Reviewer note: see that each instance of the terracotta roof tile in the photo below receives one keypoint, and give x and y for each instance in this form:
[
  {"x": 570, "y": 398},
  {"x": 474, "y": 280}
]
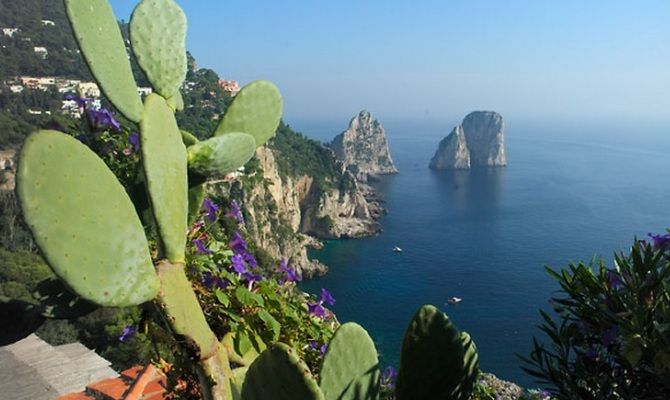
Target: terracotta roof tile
[
  {"x": 76, "y": 396},
  {"x": 113, "y": 388},
  {"x": 136, "y": 383},
  {"x": 131, "y": 373}
]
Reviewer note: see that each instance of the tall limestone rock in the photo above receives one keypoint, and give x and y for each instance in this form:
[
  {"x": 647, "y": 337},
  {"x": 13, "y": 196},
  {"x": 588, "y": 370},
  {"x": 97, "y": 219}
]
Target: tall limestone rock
[
  {"x": 478, "y": 141},
  {"x": 363, "y": 148}
]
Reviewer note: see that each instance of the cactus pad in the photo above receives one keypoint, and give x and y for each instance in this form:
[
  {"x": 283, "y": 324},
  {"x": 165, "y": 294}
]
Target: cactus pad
[
  {"x": 164, "y": 158},
  {"x": 278, "y": 374},
  {"x": 432, "y": 360},
  {"x": 255, "y": 110},
  {"x": 188, "y": 138},
  {"x": 97, "y": 32},
  {"x": 158, "y": 37},
  {"x": 84, "y": 222},
  {"x": 350, "y": 367},
  {"x": 238, "y": 375},
  {"x": 177, "y": 298},
  {"x": 221, "y": 155}
]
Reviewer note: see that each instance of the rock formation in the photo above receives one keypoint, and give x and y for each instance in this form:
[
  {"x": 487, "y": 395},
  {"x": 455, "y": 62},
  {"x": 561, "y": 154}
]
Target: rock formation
[
  {"x": 287, "y": 214},
  {"x": 363, "y": 148},
  {"x": 478, "y": 141}
]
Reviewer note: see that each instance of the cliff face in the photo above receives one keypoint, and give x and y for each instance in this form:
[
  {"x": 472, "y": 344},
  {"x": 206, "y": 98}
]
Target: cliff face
[
  {"x": 363, "y": 148},
  {"x": 285, "y": 214},
  {"x": 478, "y": 141}
]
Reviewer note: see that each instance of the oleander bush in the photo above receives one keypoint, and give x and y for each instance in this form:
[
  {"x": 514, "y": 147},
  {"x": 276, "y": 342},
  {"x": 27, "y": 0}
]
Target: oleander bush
[{"x": 610, "y": 336}]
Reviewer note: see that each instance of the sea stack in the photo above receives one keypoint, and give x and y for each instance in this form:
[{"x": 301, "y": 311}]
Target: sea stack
[
  {"x": 478, "y": 141},
  {"x": 363, "y": 148}
]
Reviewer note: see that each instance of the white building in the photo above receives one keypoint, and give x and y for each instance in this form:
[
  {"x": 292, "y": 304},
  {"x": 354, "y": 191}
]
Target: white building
[
  {"x": 42, "y": 52},
  {"x": 9, "y": 31},
  {"x": 88, "y": 89},
  {"x": 144, "y": 91}
]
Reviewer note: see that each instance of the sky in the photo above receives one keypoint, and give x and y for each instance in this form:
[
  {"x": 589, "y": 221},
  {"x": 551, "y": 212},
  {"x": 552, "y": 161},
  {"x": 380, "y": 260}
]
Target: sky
[{"x": 433, "y": 60}]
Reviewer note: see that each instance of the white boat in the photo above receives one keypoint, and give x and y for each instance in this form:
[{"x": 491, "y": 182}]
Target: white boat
[
  {"x": 454, "y": 300},
  {"x": 397, "y": 249}
]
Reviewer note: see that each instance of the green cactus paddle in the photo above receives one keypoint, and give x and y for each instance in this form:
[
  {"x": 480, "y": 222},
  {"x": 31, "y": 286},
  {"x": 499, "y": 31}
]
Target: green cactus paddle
[
  {"x": 158, "y": 38},
  {"x": 278, "y": 374},
  {"x": 255, "y": 110},
  {"x": 164, "y": 159},
  {"x": 97, "y": 32},
  {"x": 84, "y": 222},
  {"x": 432, "y": 361},
  {"x": 221, "y": 155},
  {"x": 350, "y": 367}
]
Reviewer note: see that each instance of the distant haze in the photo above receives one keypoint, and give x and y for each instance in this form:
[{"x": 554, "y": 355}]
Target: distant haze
[{"x": 607, "y": 59}]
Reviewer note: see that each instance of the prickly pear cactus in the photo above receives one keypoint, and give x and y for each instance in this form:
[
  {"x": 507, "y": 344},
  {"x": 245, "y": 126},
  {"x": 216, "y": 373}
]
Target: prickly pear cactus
[
  {"x": 158, "y": 36},
  {"x": 278, "y": 374},
  {"x": 84, "y": 222},
  {"x": 165, "y": 170},
  {"x": 97, "y": 32},
  {"x": 221, "y": 155},
  {"x": 433, "y": 361},
  {"x": 350, "y": 367},
  {"x": 255, "y": 110}
]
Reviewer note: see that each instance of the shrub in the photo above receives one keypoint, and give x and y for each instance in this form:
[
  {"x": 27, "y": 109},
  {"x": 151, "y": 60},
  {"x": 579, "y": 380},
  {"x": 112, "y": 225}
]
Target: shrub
[{"x": 611, "y": 337}]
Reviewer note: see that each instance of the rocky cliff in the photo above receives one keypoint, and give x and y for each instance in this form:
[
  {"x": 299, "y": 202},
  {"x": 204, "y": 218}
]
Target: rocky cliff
[
  {"x": 478, "y": 141},
  {"x": 287, "y": 209},
  {"x": 363, "y": 148}
]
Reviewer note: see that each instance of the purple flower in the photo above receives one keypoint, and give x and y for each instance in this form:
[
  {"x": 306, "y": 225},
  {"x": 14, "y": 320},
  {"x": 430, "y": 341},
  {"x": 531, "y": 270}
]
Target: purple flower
[
  {"x": 103, "y": 119},
  {"x": 291, "y": 275},
  {"x": 127, "y": 333},
  {"x": 613, "y": 279},
  {"x": 200, "y": 247},
  {"x": 609, "y": 336},
  {"x": 235, "y": 212},
  {"x": 316, "y": 309},
  {"x": 388, "y": 378},
  {"x": 314, "y": 345},
  {"x": 81, "y": 101},
  {"x": 327, "y": 298},
  {"x": 237, "y": 244},
  {"x": 249, "y": 277},
  {"x": 210, "y": 208},
  {"x": 134, "y": 140},
  {"x": 238, "y": 264},
  {"x": 250, "y": 259},
  {"x": 210, "y": 280},
  {"x": 660, "y": 242}
]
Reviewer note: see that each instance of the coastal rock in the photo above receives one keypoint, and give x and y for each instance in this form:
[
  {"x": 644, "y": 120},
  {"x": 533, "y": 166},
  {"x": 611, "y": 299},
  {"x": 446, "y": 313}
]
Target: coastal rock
[
  {"x": 363, "y": 148},
  {"x": 284, "y": 215},
  {"x": 478, "y": 141}
]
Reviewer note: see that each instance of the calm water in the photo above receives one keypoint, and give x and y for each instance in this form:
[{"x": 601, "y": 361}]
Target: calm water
[{"x": 485, "y": 235}]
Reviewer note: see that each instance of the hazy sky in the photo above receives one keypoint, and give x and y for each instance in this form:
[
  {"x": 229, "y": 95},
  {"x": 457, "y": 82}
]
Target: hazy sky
[{"x": 437, "y": 59}]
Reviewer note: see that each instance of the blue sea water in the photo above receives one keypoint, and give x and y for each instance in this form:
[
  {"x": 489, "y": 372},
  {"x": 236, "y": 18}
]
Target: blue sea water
[{"x": 569, "y": 192}]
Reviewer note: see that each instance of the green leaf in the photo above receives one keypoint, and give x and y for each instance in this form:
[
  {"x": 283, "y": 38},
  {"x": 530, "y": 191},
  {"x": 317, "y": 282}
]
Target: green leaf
[
  {"x": 247, "y": 297},
  {"x": 271, "y": 323},
  {"x": 222, "y": 297},
  {"x": 632, "y": 350}
]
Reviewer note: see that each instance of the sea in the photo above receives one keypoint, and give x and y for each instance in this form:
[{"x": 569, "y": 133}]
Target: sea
[{"x": 571, "y": 191}]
